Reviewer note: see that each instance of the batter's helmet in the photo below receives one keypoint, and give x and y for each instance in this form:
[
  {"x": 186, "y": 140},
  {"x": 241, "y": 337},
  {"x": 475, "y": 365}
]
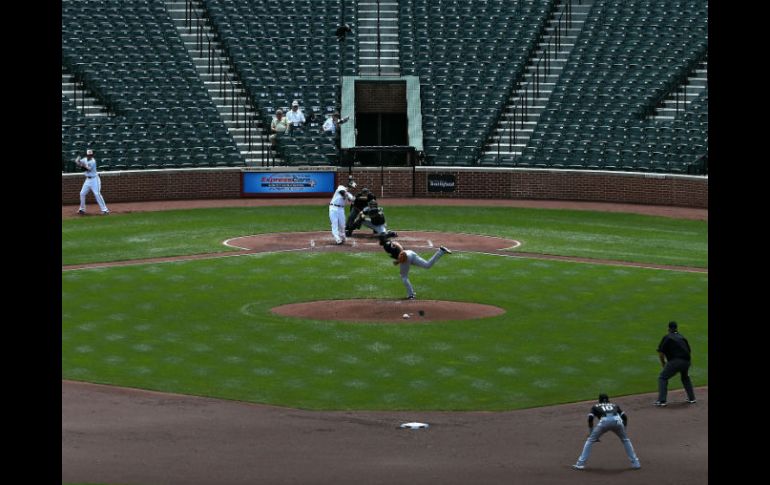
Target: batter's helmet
[{"x": 604, "y": 398}]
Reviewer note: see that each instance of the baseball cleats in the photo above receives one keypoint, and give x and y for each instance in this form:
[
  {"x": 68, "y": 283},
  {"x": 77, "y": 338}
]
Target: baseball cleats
[
  {"x": 105, "y": 213},
  {"x": 636, "y": 466},
  {"x": 691, "y": 401},
  {"x": 445, "y": 250},
  {"x": 579, "y": 467},
  {"x": 660, "y": 404},
  {"x": 412, "y": 297},
  {"x": 81, "y": 212}
]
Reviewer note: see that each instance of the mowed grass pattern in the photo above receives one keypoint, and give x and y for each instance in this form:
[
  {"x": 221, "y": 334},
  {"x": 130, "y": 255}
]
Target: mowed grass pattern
[
  {"x": 204, "y": 327},
  {"x": 617, "y": 236}
]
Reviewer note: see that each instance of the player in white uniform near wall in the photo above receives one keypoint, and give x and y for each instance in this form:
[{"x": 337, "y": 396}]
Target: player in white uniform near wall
[
  {"x": 92, "y": 183},
  {"x": 337, "y": 211}
]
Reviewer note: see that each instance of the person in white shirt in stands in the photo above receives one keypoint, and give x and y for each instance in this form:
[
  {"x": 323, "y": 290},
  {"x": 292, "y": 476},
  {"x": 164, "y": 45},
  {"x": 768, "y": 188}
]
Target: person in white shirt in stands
[
  {"x": 92, "y": 183},
  {"x": 337, "y": 211},
  {"x": 295, "y": 116},
  {"x": 331, "y": 127}
]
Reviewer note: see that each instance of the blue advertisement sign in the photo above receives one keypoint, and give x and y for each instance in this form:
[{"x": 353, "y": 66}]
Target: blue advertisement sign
[{"x": 287, "y": 183}]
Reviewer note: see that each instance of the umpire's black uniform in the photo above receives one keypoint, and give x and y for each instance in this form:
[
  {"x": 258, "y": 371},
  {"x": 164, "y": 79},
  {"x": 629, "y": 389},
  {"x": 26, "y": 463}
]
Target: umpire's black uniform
[
  {"x": 359, "y": 203},
  {"x": 676, "y": 350}
]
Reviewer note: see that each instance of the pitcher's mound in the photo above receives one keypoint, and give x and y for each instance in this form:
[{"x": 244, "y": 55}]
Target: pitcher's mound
[{"x": 388, "y": 311}]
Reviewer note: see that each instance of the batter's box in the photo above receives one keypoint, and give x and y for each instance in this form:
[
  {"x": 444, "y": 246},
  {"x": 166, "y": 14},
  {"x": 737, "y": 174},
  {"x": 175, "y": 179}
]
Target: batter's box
[{"x": 322, "y": 240}]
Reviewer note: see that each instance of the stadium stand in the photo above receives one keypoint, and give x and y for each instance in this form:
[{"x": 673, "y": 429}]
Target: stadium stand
[
  {"x": 629, "y": 56},
  {"x": 286, "y": 50},
  {"x": 130, "y": 56},
  {"x": 469, "y": 56}
]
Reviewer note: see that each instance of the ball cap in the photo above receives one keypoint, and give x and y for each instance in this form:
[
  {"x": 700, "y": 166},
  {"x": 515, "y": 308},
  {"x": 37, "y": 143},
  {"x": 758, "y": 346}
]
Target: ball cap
[
  {"x": 295, "y": 103},
  {"x": 672, "y": 325},
  {"x": 89, "y": 152}
]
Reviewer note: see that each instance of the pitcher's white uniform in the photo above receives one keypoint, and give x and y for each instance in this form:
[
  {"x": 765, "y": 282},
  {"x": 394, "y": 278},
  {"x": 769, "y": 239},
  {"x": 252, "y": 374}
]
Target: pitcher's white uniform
[
  {"x": 92, "y": 183},
  {"x": 337, "y": 212}
]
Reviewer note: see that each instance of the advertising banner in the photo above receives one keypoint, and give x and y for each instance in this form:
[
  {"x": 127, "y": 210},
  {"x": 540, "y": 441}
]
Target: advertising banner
[
  {"x": 288, "y": 184},
  {"x": 441, "y": 182}
]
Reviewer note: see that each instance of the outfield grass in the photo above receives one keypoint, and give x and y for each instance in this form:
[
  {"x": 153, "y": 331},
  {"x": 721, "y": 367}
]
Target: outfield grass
[
  {"x": 570, "y": 331},
  {"x": 618, "y": 236}
]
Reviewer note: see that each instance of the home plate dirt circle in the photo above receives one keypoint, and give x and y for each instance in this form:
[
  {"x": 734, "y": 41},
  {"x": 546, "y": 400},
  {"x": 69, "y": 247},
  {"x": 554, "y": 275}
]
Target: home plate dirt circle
[
  {"x": 388, "y": 311},
  {"x": 366, "y": 241}
]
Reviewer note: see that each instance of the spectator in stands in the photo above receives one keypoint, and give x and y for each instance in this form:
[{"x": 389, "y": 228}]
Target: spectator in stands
[
  {"x": 295, "y": 116},
  {"x": 331, "y": 127},
  {"x": 278, "y": 126}
]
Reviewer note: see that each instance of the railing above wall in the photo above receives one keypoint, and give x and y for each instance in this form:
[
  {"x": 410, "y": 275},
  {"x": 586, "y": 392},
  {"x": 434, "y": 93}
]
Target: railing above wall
[
  {"x": 241, "y": 103},
  {"x": 542, "y": 68}
]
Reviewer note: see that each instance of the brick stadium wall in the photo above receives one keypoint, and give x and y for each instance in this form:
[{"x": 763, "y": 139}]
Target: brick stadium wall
[
  {"x": 380, "y": 97},
  {"x": 132, "y": 186},
  {"x": 620, "y": 187}
]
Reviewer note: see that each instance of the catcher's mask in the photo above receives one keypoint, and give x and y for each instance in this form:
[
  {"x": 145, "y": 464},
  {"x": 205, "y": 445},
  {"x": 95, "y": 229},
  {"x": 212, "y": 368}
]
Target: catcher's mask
[{"x": 373, "y": 203}]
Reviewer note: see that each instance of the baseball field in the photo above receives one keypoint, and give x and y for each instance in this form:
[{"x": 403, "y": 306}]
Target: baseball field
[{"x": 585, "y": 297}]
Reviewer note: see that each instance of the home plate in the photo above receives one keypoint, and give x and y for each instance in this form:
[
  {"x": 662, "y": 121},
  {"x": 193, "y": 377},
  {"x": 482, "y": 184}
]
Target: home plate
[{"x": 414, "y": 425}]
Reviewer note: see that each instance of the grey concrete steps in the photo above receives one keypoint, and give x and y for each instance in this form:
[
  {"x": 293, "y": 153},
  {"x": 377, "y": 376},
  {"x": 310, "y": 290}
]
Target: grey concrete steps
[
  {"x": 88, "y": 105},
  {"x": 669, "y": 108},
  {"x": 535, "y": 105},
  {"x": 209, "y": 70}
]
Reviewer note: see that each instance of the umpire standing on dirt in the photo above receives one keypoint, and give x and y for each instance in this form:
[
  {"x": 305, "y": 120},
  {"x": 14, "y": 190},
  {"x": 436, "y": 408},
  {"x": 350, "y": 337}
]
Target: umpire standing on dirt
[{"x": 674, "y": 353}]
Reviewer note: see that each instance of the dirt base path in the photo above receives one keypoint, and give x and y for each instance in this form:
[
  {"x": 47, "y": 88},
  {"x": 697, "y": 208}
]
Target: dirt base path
[{"x": 117, "y": 435}]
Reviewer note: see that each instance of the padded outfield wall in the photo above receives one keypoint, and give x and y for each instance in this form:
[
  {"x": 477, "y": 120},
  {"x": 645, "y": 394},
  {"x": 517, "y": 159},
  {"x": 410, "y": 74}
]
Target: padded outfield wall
[{"x": 461, "y": 183}]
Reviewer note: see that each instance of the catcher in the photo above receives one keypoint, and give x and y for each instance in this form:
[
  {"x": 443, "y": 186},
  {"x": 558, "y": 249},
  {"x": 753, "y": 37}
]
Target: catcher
[
  {"x": 373, "y": 217},
  {"x": 359, "y": 204}
]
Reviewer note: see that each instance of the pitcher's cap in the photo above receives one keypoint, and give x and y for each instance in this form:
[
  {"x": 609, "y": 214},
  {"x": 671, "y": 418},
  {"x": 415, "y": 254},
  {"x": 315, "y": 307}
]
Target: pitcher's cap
[{"x": 89, "y": 152}]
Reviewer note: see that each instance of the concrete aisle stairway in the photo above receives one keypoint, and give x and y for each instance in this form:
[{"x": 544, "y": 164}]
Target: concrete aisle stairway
[
  {"x": 209, "y": 70},
  {"x": 679, "y": 100},
  {"x": 378, "y": 45},
  {"x": 510, "y": 146},
  {"x": 87, "y": 104}
]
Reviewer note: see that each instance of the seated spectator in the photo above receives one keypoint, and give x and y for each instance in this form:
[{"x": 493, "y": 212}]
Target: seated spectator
[
  {"x": 295, "y": 116},
  {"x": 278, "y": 126}
]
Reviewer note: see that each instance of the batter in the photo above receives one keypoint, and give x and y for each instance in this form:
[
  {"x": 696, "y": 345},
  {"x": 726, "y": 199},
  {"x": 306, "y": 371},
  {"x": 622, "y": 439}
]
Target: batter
[{"x": 337, "y": 211}]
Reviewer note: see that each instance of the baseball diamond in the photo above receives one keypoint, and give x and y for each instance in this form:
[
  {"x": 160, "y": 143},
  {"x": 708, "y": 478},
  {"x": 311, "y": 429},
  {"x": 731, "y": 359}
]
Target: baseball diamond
[
  {"x": 340, "y": 242},
  {"x": 261, "y": 439}
]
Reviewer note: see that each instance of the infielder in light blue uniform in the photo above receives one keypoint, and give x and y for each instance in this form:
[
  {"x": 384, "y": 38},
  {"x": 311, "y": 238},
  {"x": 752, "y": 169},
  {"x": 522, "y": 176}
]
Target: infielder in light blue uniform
[
  {"x": 92, "y": 183},
  {"x": 406, "y": 258},
  {"x": 611, "y": 418}
]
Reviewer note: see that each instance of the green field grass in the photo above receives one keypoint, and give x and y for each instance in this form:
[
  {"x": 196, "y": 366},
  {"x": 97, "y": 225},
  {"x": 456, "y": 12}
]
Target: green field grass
[
  {"x": 203, "y": 327},
  {"x": 617, "y": 236}
]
